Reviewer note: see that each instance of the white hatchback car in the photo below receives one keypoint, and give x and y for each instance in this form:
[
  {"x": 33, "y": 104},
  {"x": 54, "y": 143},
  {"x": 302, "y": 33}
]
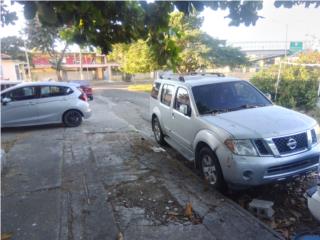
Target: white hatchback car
[{"x": 40, "y": 103}]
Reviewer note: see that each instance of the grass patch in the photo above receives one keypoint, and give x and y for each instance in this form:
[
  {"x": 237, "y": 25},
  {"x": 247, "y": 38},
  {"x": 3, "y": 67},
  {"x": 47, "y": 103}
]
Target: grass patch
[{"x": 141, "y": 87}]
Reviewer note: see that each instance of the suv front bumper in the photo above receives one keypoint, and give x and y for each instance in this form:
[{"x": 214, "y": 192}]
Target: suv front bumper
[{"x": 258, "y": 170}]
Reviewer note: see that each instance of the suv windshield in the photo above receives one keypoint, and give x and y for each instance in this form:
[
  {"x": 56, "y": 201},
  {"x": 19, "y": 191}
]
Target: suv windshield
[{"x": 227, "y": 96}]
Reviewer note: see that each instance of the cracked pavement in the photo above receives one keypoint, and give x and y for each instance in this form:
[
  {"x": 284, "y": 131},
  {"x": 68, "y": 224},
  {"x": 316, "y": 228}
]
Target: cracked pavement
[{"x": 103, "y": 177}]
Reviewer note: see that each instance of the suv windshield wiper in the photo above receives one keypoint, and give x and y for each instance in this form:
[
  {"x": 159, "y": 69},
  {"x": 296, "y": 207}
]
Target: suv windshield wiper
[
  {"x": 246, "y": 106},
  {"x": 215, "y": 111}
]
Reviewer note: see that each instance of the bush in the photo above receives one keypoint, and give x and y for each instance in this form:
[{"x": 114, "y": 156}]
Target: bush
[{"x": 298, "y": 86}]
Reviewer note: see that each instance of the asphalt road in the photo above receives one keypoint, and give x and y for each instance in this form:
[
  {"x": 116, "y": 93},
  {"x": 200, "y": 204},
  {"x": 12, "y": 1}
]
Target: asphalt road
[{"x": 108, "y": 178}]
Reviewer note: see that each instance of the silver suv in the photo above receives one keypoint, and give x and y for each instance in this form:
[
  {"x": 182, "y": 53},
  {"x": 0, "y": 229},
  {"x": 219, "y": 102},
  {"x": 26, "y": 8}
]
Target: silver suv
[{"x": 232, "y": 131}]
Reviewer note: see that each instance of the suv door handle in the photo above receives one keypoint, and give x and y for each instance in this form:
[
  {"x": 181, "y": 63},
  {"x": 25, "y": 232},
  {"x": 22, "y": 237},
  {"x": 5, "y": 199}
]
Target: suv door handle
[{"x": 32, "y": 103}]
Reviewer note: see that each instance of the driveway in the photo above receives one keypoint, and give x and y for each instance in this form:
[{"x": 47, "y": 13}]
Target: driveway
[{"x": 107, "y": 179}]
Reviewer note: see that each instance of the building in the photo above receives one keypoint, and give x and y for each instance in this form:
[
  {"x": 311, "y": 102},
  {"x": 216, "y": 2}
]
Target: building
[
  {"x": 75, "y": 66},
  {"x": 11, "y": 69}
]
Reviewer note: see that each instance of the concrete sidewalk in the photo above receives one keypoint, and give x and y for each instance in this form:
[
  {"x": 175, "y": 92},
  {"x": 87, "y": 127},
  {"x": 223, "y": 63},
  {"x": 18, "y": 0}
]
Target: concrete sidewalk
[{"x": 103, "y": 178}]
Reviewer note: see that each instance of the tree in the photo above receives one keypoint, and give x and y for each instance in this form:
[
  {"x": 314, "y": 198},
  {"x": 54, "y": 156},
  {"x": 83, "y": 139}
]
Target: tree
[
  {"x": 134, "y": 58},
  {"x": 7, "y": 17},
  {"x": 198, "y": 50},
  {"x": 45, "y": 39},
  {"x": 194, "y": 49},
  {"x": 12, "y": 46},
  {"x": 102, "y": 24}
]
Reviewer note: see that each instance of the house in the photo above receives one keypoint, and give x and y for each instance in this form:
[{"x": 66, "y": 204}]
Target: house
[
  {"x": 11, "y": 69},
  {"x": 91, "y": 66}
]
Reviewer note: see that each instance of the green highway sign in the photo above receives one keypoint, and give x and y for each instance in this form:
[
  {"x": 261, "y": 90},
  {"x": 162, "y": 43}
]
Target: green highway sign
[{"x": 296, "y": 47}]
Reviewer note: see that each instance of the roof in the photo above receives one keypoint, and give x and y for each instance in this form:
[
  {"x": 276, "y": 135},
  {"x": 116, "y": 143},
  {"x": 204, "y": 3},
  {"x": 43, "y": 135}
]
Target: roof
[{"x": 196, "y": 80}]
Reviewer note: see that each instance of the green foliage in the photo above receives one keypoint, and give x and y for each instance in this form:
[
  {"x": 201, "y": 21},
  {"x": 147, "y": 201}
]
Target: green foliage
[
  {"x": 12, "y": 47},
  {"x": 7, "y": 17},
  {"x": 297, "y": 89},
  {"x": 310, "y": 57},
  {"x": 196, "y": 49},
  {"x": 134, "y": 58},
  {"x": 191, "y": 49}
]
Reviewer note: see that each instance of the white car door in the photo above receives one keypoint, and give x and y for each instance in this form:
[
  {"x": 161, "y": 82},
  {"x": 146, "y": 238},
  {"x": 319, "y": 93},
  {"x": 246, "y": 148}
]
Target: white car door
[
  {"x": 53, "y": 102},
  {"x": 21, "y": 108}
]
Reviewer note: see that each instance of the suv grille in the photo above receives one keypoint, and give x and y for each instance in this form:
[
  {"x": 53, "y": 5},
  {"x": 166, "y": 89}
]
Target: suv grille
[{"x": 282, "y": 143}]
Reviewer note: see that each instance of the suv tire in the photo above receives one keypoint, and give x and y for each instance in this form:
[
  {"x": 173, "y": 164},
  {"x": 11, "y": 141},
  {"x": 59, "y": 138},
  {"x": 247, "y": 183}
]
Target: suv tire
[
  {"x": 156, "y": 128},
  {"x": 210, "y": 169},
  {"x": 72, "y": 118}
]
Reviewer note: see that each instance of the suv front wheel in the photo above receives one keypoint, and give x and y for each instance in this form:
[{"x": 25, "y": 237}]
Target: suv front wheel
[
  {"x": 156, "y": 128},
  {"x": 210, "y": 169}
]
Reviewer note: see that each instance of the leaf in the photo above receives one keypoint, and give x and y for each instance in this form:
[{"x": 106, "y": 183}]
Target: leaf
[
  {"x": 188, "y": 210},
  {"x": 120, "y": 236},
  {"x": 6, "y": 236}
]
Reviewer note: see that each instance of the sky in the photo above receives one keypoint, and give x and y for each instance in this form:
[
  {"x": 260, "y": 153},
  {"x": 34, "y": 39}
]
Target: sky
[{"x": 301, "y": 24}]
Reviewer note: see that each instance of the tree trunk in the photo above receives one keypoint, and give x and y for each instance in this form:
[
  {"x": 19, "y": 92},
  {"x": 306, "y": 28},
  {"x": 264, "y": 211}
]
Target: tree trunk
[{"x": 59, "y": 62}]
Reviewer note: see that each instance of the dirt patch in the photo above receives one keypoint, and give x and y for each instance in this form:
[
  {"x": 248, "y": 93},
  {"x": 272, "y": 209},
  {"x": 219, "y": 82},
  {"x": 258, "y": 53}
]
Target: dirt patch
[
  {"x": 291, "y": 216},
  {"x": 7, "y": 145},
  {"x": 157, "y": 202}
]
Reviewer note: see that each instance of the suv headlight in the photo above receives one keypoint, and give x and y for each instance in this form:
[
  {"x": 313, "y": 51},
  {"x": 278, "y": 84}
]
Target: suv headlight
[{"x": 241, "y": 147}]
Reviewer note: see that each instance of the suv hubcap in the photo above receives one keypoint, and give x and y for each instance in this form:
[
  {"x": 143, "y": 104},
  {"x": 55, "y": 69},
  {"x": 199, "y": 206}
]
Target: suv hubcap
[
  {"x": 209, "y": 169},
  {"x": 156, "y": 130}
]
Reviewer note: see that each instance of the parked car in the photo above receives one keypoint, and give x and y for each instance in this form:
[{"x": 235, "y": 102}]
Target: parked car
[
  {"x": 4, "y": 84},
  {"x": 43, "y": 103},
  {"x": 232, "y": 131},
  {"x": 86, "y": 88}
]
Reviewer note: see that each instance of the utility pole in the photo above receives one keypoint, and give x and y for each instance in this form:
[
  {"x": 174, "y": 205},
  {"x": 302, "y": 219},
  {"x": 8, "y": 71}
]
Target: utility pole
[
  {"x": 81, "y": 72},
  {"x": 28, "y": 62}
]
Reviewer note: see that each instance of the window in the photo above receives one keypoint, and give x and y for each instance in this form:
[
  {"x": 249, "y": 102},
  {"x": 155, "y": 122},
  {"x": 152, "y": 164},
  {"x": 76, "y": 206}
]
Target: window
[
  {"x": 54, "y": 91},
  {"x": 24, "y": 93},
  {"x": 166, "y": 94},
  {"x": 182, "y": 102},
  {"x": 227, "y": 96},
  {"x": 16, "y": 68},
  {"x": 155, "y": 90}
]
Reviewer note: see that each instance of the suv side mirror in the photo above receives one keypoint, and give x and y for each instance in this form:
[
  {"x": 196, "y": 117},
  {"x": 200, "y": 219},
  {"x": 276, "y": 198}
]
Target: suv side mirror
[
  {"x": 185, "y": 109},
  {"x": 5, "y": 101}
]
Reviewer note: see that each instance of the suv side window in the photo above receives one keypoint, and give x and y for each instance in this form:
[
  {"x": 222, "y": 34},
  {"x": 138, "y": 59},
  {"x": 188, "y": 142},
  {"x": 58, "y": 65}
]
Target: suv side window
[
  {"x": 24, "y": 93},
  {"x": 54, "y": 91},
  {"x": 182, "y": 102},
  {"x": 166, "y": 94},
  {"x": 155, "y": 90}
]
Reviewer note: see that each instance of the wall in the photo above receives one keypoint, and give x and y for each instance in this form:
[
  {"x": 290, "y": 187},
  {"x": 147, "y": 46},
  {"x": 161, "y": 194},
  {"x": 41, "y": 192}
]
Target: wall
[{"x": 8, "y": 71}]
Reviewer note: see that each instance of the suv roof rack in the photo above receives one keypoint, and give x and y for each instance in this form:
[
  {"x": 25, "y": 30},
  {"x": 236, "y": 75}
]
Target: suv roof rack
[{"x": 182, "y": 78}]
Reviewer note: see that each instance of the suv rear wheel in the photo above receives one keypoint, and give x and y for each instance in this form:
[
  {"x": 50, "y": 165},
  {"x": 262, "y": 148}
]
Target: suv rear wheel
[
  {"x": 210, "y": 169},
  {"x": 156, "y": 128}
]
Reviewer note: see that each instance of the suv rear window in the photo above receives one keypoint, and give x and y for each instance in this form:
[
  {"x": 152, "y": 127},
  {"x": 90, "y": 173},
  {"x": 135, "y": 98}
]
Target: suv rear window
[
  {"x": 166, "y": 94},
  {"x": 155, "y": 90}
]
